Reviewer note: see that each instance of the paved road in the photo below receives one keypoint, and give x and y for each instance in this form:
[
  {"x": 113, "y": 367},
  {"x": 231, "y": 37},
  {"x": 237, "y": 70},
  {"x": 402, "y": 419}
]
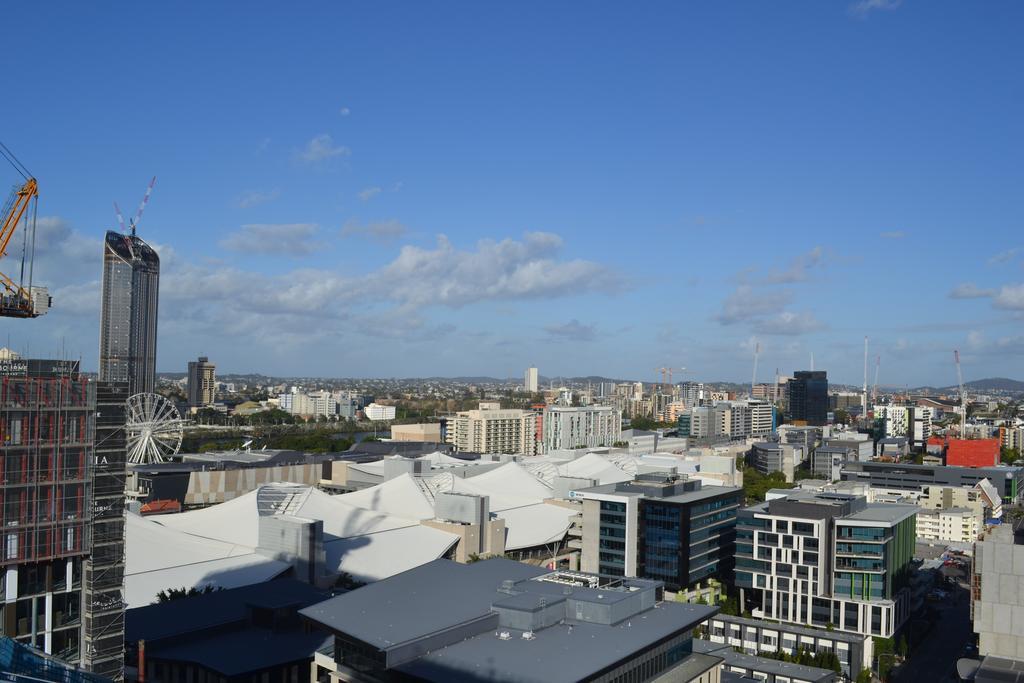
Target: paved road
[{"x": 935, "y": 659}]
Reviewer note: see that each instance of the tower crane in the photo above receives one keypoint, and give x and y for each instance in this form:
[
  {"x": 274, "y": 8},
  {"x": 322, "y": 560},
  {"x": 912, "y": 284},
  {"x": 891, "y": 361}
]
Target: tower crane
[
  {"x": 963, "y": 395},
  {"x": 874, "y": 388},
  {"x": 20, "y": 299},
  {"x": 753, "y": 378}
]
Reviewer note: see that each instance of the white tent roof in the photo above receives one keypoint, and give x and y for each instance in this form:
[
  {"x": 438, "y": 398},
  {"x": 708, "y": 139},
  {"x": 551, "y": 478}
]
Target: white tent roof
[
  {"x": 511, "y": 479},
  {"x": 594, "y": 466},
  {"x": 399, "y": 496},
  {"x": 535, "y": 525},
  {"x": 158, "y": 558},
  {"x": 377, "y": 556}
]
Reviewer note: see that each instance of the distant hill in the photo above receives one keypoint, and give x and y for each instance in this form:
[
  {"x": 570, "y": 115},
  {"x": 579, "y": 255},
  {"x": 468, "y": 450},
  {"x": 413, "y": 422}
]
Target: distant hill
[{"x": 996, "y": 384}]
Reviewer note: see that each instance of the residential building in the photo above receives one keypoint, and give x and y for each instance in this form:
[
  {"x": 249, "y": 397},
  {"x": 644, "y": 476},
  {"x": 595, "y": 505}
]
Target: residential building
[
  {"x": 202, "y": 382},
  {"x": 659, "y": 526},
  {"x": 754, "y": 636},
  {"x": 506, "y": 620},
  {"x": 692, "y": 394},
  {"x": 128, "y": 312},
  {"x": 1012, "y": 437},
  {"x": 1008, "y": 481},
  {"x": 808, "y": 397},
  {"x": 62, "y": 512},
  {"x": 531, "y": 380},
  {"x": 949, "y": 525},
  {"x": 912, "y": 422},
  {"x": 807, "y": 437},
  {"x": 565, "y": 427},
  {"x": 770, "y": 456},
  {"x": 494, "y": 431},
  {"x": 973, "y": 452},
  {"x": 426, "y": 431},
  {"x": 823, "y": 559},
  {"x": 893, "y": 447},
  {"x": 997, "y": 601},
  {"x": 376, "y": 412},
  {"x": 844, "y": 400}
]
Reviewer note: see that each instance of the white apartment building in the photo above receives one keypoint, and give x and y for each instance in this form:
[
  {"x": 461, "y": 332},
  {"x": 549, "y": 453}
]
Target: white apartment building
[
  {"x": 959, "y": 525},
  {"x": 734, "y": 419},
  {"x": 494, "y": 431},
  {"x": 912, "y": 422},
  {"x": 316, "y": 404},
  {"x": 378, "y": 413},
  {"x": 531, "y": 379},
  {"x": 591, "y": 426}
]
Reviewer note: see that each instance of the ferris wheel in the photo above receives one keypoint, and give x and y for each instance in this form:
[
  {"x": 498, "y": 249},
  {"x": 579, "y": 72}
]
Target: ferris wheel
[{"x": 154, "y": 428}]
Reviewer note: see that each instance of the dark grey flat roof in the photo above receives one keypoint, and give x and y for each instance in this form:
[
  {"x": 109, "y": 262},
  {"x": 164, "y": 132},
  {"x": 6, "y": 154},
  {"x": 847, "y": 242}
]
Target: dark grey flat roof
[
  {"x": 414, "y": 603},
  {"x": 1000, "y": 670},
  {"x": 185, "y": 615},
  {"x": 240, "y": 652},
  {"x": 558, "y": 654},
  {"x": 442, "y": 595}
]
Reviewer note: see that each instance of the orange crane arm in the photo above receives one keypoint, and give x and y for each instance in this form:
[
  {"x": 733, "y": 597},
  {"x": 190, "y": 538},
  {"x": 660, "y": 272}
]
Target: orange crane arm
[{"x": 21, "y": 201}]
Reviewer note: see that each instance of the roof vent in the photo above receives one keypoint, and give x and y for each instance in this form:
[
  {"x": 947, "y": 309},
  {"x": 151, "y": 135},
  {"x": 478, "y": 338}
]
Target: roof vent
[
  {"x": 504, "y": 635},
  {"x": 528, "y": 635}
]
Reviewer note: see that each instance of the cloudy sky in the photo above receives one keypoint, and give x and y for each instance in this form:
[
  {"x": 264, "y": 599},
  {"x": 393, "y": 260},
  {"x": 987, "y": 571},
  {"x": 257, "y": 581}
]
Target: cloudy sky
[{"x": 410, "y": 188}]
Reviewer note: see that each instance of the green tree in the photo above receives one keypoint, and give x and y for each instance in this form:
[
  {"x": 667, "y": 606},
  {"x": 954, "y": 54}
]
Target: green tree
[
  {"x": 902, "y": 648},
  {"x": 1009, "y": 455},
  {"x": 170, "y": 594},
  {"x": 864, "y": 676}
]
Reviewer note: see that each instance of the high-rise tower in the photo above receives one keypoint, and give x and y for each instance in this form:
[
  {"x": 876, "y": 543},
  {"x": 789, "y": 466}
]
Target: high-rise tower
[{"x": 131, "y": 282}]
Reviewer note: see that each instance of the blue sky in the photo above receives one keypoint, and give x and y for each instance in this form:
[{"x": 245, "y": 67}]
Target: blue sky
[{"x": 411, "y": 189}]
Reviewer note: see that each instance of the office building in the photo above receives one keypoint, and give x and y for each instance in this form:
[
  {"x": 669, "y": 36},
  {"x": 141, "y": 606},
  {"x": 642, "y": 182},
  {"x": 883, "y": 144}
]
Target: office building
[
  {"x": 770, "y": 456},
  {"x": 808, "y": 397},
  {"x": 494, "y": 431},
  {"x": 806, "y": 437},
  {"x": 659, "y": 526},
  {"x": 1008, "y": 481},
  {"x": 128, "y": 312},
  {"x": 822, "y": 559},
  {"x": 692, "y": 393},
  {"x": 565, "y": 427},
  {"x": 531, "y": 380},
  {"x": 827, "y": 461},
  {"x": 202, "y": 382},
  {"x": 844, "y": 400},
  {"x": 997, "y": 601},
  {"x": 911, "y": 422},
  {"x": 62, "y": 512},
  {"x": 502, "y": 621}
]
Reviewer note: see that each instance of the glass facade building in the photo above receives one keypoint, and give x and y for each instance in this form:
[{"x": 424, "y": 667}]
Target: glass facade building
[
  {"x": 808, "y": 397},
  {"x": 660, "y": 526},
  {"x": 128, "y": 314}
]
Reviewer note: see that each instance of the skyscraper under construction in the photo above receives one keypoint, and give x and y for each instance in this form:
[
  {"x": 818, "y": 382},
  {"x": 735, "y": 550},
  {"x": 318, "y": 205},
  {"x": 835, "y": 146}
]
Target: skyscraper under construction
[{"x": 131, "y": 282}]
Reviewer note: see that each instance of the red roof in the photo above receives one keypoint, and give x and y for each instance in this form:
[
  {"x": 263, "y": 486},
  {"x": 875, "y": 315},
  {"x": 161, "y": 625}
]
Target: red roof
[
  {"x": 157, "y": 507},
  {"x": 973, "y": 452}
]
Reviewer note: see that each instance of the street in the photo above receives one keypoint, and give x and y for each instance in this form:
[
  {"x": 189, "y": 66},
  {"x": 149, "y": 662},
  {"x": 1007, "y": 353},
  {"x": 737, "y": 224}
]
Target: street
[{"x": 935, "y": 659}]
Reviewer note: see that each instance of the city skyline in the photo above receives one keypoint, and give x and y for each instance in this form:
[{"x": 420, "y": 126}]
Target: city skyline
[{"x": 594, "y": 200}]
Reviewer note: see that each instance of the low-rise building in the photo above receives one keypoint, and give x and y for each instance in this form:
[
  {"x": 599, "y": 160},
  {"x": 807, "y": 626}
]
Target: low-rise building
[
  {"x": 429, "y": 432},
  {"x": 591, "y": 426},
  {"x": 1008, "y": 481},
  {"x": 754, "y": 636},
  {"x": 505, "y": 620},
  {"x": 950, "y": 525}
]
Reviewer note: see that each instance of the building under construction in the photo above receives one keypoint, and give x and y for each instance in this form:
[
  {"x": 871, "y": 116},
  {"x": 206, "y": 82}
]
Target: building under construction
[{"x": 59, "y": 551}]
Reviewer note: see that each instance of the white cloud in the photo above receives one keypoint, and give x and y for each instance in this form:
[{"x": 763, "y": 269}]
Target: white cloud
[
  {"x": 321, "y": 148},
  {"x": 892, "y": 235},
  {"x": 969, "y": 290},
  {"x": 1004, "y": 256},
  {"x": 789, "y": 324},
  {"x": 508, "y": 269},
  {"x": 573, "y": 330},
  {"x": 798, "y": 268},
  {"x": 369, "y": 193},
  {"x": 381, "y": 231},
  {"x": 295, "y": 239},
  {"x": 746, "y": 304},
  {"x": 344, "y": 111},
  {"x": 1009, "y": 297},
  {"x": 257, "y": 197},
  {"x": 862, "y": 8}
]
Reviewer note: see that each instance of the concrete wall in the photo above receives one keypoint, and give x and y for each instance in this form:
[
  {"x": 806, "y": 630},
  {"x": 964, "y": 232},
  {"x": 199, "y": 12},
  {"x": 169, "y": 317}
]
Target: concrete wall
[{"x": 999, "y": 611}]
